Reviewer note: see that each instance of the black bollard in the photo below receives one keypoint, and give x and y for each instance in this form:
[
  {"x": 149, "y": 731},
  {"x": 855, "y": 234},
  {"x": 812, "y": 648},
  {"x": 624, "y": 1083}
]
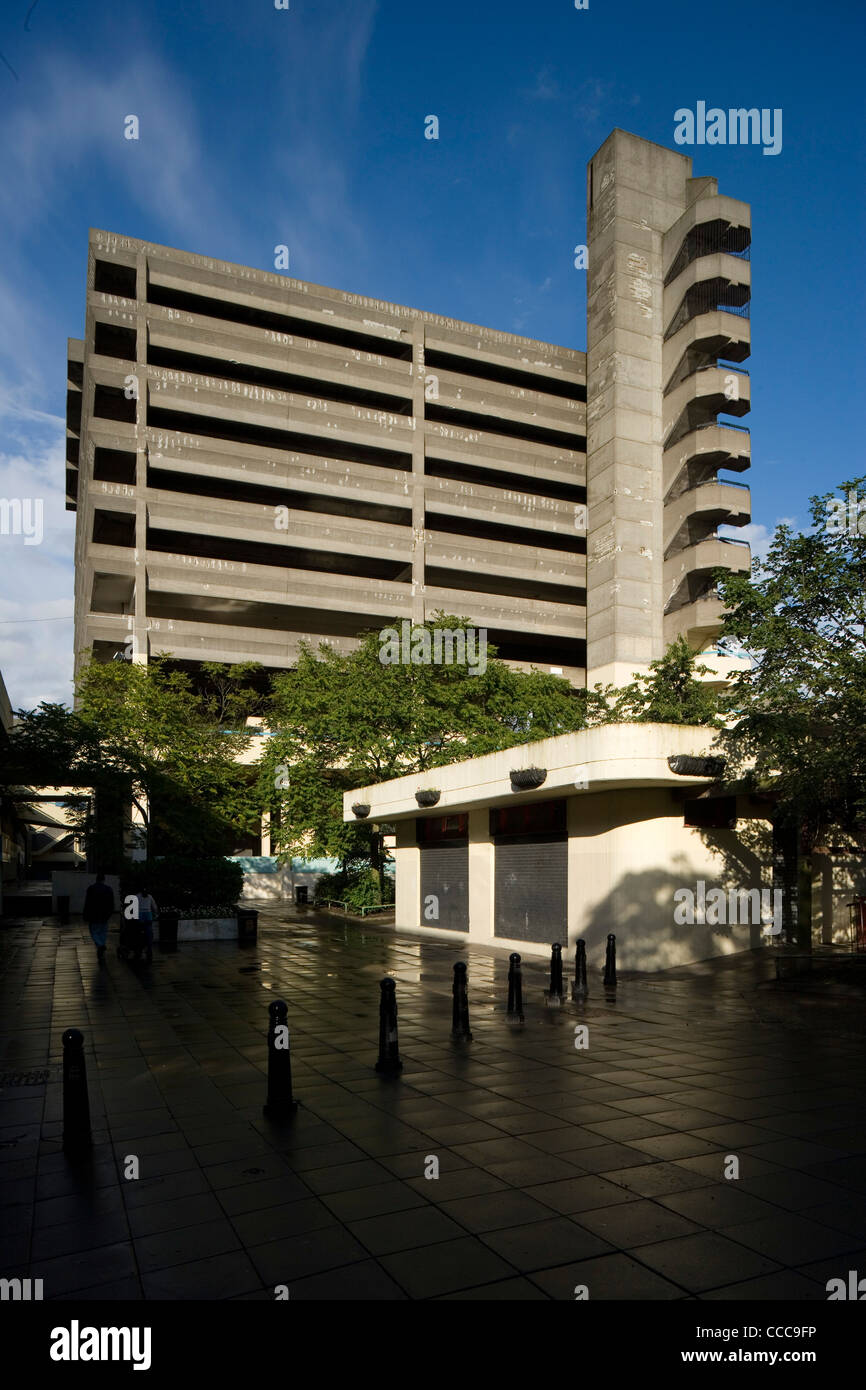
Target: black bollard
[
  {"x": 76, "y": 1106},
  {"x": 579, "y": 988},
  {"x": 515, "y": 988},
  {"x": 280, "y": 1102},
  {"x": 610, "y": 962},
  {"x": 389, "y": 1050},
  {"x": 556, "y": 970},
  {"x": 460, "y": 1009}
]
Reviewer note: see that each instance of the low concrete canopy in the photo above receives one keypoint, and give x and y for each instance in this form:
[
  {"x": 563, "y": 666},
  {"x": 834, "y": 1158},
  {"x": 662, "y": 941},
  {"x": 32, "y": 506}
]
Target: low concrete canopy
[
  {"x": 597, "y": 837},
  {"x": 602, "y": 759}
]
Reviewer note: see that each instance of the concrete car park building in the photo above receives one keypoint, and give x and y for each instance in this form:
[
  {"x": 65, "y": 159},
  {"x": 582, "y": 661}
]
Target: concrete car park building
[
  {"x": 595, "y": 832},
  {"x": 256, "y": 460}
]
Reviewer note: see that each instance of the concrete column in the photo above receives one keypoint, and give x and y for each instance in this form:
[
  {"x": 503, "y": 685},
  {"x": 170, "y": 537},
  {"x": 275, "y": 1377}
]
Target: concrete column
[
  {"x": 481, "y": 876},
  {"x": 140, "y": 648},
  {"x": 636, "y": 190},
  {"x": 418, "y": 503},
  {"x": 575, "y": 817},
  {"x": 407, "y": 870}
]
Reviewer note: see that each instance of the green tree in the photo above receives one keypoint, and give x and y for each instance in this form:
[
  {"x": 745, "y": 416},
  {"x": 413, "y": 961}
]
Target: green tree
[
  {"x": 151, "y": 737},
  {"x": 669, "y": 693},
  {"x": 347, "y": 720},
  {"x": 797, "y": 728}
]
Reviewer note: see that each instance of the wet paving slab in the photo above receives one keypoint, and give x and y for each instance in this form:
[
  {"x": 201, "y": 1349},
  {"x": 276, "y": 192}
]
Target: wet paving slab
[{"x": 704, "y": 1137}]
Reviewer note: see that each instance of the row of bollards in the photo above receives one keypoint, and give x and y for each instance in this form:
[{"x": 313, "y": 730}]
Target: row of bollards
[
  {"x": 280, "y": 1103},
  {"x": 579, "y": 987}
]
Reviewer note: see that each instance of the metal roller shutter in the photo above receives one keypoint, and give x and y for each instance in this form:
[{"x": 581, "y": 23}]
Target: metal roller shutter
[
  {"x": 531, "y": 887},
  {"x": 445, "y": 876}
]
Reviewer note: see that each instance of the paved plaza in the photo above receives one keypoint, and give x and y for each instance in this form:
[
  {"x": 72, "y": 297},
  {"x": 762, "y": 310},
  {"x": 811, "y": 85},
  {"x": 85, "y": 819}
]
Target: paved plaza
[{"x": 559, "y": 1167}]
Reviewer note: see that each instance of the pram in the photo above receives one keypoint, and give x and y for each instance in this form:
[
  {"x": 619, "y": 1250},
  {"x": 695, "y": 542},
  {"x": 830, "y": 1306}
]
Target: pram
[{"x": 133, "y": 941}]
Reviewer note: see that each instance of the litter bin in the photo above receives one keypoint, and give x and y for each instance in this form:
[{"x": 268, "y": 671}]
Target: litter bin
[
  {"x": 63, "y": 909},
  {"x": 168, "y": 931},
  {"x": 248, "y": 926},
  {"x": 301, "y": 895}
]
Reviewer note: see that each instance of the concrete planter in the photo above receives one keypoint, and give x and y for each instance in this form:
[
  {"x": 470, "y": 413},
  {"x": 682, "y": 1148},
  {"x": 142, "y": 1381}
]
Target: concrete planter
[
  {"x": 207, "y": 929},
  {"x": 525, "y": 778}
]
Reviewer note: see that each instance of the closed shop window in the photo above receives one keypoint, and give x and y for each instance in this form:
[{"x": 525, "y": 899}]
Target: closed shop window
[
  {"x": 531, "y": 873},
  {"x": 444, "y": 871}
]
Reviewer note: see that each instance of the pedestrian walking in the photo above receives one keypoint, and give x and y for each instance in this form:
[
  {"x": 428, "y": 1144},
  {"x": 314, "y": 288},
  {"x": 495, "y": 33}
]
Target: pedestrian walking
[
  {"x": 147, "y": 912},
  {"x": 98, "y": 907}
]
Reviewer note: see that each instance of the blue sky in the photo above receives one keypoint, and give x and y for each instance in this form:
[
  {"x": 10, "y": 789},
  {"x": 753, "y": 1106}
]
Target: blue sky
[{"x": 306, "y": 127}]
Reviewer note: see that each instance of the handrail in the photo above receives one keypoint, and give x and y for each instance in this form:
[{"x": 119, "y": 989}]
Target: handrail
[
  {"x": 700, "y": 241},
  {"x": 723, "y": 425},
  {"x": 729, "y": 482},
  {"x": 356, "y": 911},
  {"x": 718, "y": 367}
]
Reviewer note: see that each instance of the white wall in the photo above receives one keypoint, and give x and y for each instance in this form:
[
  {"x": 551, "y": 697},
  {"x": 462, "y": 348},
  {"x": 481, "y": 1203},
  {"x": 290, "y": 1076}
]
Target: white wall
[
  {"x": 628, "y": 853},
  {"x": 75, "y": 884}
]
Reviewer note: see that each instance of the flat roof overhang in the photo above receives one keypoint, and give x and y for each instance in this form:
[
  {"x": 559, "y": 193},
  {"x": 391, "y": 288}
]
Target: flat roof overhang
[{"x": 610, "y": 758}]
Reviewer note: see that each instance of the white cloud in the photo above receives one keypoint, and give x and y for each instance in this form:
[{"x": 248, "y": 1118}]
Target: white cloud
[
  {"x": 71, "y": 116},
  {"x": 758, "y": 536},
  {"x": 35, "y": 654},
  {"x": 65, "y": 132}
]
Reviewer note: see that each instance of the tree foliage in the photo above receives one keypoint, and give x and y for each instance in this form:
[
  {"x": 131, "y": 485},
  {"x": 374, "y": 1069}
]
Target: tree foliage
[
  {"x": 671, "y": 692},
  {"x": 798, "y": 717},
  {"x": 149, "y": 736},
  {"x": 342, "y": 721}
]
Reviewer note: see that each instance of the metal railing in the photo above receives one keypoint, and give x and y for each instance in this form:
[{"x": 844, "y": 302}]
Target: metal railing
[
  {"x": 707, "y": 239},
  {"x": 355, "y": 911},
  {"x": 705, "y": 298},
  {"x": 742, "y": 311},
  {"x": 723, "y": 425}
]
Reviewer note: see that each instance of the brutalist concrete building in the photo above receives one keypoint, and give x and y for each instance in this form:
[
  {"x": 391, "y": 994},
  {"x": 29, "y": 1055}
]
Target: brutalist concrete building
[{"x": 255, "y": 460}]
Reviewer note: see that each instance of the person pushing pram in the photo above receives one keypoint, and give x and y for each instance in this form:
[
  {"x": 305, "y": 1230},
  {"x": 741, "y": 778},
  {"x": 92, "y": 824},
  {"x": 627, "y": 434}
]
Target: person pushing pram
[{"x": 136, "y": 935}]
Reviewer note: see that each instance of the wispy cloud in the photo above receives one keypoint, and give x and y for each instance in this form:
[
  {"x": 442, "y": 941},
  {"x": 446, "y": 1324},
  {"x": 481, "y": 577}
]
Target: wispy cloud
[
  {"x": 62, "y": 144},
  {"x": 758, "y": 536},
  {"x": 70, "y": 119},
  {"x": 310, "y": 204},
  {"x": 545, "y": 87},
  {"x": 36, "y": 600}
]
